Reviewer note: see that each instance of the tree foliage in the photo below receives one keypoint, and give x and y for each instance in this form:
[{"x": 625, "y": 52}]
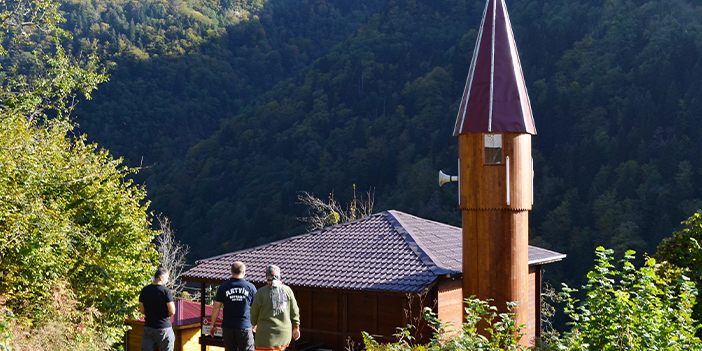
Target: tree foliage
[
  {"x": 20, "y": 19},
  {"x": 501, "y": 329},
  {"x": 238, "y": 105},
  {"x": 321, "y": 214},
  {"x": 171, "y": 255},
  {"x": 630, "y": 309},
  {"x": 648, "y": 308},
  {"x": 179, "y": 68},
  {"x": 67, "y": 212},
  {"x": 69, "y": 215},
  {"x": 70, "y": 327},
  {"x": 357, "y": 116},
  {"x": 683, "y": 250},
  {"x": 311, "y": 94}
]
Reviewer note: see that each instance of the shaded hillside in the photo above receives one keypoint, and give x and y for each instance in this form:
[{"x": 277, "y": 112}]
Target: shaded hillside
[
  {"x": 614, "y": 86},
  {"x": 377, "y": 111},
  {"x": 620, "y": 131},
  {"x": 179, "y": 68}
]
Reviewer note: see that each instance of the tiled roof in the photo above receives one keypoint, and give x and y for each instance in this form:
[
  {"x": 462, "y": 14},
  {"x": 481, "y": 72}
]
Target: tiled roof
[
  {"x": 187, "y": 312},
  {"x": 538, "y": 255},
  {"x": 387, "y": 251}
]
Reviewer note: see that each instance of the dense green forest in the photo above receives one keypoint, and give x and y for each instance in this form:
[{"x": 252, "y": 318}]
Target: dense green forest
[
  {"x": 233, "y": 107},
  {"x": 179, "y": 69}
]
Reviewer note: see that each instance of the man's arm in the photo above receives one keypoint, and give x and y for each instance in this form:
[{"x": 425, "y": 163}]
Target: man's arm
[
  {"x": 215, "y": 314},
  {"x": 141, "y": 308},
  {"x": 171, "y": 308}
]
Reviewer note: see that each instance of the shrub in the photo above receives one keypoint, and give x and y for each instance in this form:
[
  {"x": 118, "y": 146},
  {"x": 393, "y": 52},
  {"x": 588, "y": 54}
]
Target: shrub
[
  {"x": 630, "y": 309},
  {"x": 683, "y": 250},
  {"x": 68, "y": 327},
  {"x": 501, "y": 329}
]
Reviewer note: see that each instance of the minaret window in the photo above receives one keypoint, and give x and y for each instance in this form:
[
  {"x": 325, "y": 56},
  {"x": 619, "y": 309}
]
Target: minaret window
[{"x": 493, "y": 148}]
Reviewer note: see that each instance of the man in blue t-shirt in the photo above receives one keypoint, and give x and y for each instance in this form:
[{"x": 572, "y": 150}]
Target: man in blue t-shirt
[
  {"x": 156, "y": 303},
  {"x": 236, "y": 295}
]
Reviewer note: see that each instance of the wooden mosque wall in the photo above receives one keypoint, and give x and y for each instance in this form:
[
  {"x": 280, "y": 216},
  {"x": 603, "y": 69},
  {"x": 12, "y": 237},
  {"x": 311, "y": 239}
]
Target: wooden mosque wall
[
  {"x": 450, "y": 303},
  {"x": 333, "y": 318},
  {"x": 534, "y": 318}
]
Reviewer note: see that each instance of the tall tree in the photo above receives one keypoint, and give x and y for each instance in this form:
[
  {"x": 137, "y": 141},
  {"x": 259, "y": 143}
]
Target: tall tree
[{"x": 69, "y": 216}]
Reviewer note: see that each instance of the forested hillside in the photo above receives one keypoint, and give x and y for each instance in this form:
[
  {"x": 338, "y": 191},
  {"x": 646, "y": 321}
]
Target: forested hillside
[
  {"x": 376, "y": 111},
  {"x": 237, "y": 106},
  {"x": 178, "y": 68}
]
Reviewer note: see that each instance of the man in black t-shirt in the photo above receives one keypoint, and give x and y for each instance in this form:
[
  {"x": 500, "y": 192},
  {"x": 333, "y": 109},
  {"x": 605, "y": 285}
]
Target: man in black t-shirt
[
  {"x": 236, "y": 295},
  {"x": 156, "y": 303}
]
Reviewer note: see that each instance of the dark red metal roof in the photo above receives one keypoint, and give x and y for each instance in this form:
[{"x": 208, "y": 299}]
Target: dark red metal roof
[
  {"x": 387, "y": 251},
  {"x": 187, "y": 312},
  {"x": 495, "y": 98}
]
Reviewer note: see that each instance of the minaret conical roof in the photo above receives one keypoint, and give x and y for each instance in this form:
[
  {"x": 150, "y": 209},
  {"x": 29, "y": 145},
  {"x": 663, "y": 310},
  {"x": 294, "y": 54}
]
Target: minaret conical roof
[{"x": 495, "y": 98}]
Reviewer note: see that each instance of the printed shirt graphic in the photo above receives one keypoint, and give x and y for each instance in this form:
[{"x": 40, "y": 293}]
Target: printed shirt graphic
[{"x": 236, "y": 296}]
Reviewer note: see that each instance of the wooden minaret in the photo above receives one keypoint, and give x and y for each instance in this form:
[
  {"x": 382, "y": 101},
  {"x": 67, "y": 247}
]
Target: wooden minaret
[{"x": 494, "y": 129}]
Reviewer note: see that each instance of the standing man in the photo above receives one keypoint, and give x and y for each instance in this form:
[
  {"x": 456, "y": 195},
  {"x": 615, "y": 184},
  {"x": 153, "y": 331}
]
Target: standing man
[
  {"x": 236, "y": 295},
  {"x": 156, "y": 303}
]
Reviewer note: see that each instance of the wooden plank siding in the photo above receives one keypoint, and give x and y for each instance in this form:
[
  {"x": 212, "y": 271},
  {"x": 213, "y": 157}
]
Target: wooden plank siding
[
  {"x": 450, "y": 303},
  {"x": 336, "y": 318},
  {"x": 497, "y": 261},
  {"x": 389, "y": 314},
  {"x": 324, "y": 306},
  {"x": 451, "y": 306},
  {"x": 495, "y": 200},
  {"x": 133, "y": 339},
  {"x": 484, "y": 186},
  {"x": 534, "y": 326}
]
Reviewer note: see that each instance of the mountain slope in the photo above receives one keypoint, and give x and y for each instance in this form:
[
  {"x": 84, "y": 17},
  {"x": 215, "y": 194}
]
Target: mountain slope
[
  {"x": 378, "y": 107},
  {"x": 177, "y": 69},
  {"x": 614, "y": 86}
]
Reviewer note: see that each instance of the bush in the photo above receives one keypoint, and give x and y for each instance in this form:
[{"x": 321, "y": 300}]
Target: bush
[
  {"x": 645, "y": 309},
  {"x": 68, "y": 327},
  {"x": 683, "y": 250},
  {"x": 501, "y": 328},
  {"x": 632, "y": 309}
]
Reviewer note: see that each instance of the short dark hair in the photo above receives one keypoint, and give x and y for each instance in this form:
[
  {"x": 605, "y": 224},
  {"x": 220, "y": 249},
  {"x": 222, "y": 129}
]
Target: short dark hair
[
  {"x": 160, "y": 272},
  {"x": 238, "y": 267}
]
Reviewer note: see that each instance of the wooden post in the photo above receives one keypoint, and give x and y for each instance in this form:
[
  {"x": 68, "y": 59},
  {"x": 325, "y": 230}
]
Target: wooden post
[
  {"x": 537, "y": 302},
  {"x": 203, "y": 347}
]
